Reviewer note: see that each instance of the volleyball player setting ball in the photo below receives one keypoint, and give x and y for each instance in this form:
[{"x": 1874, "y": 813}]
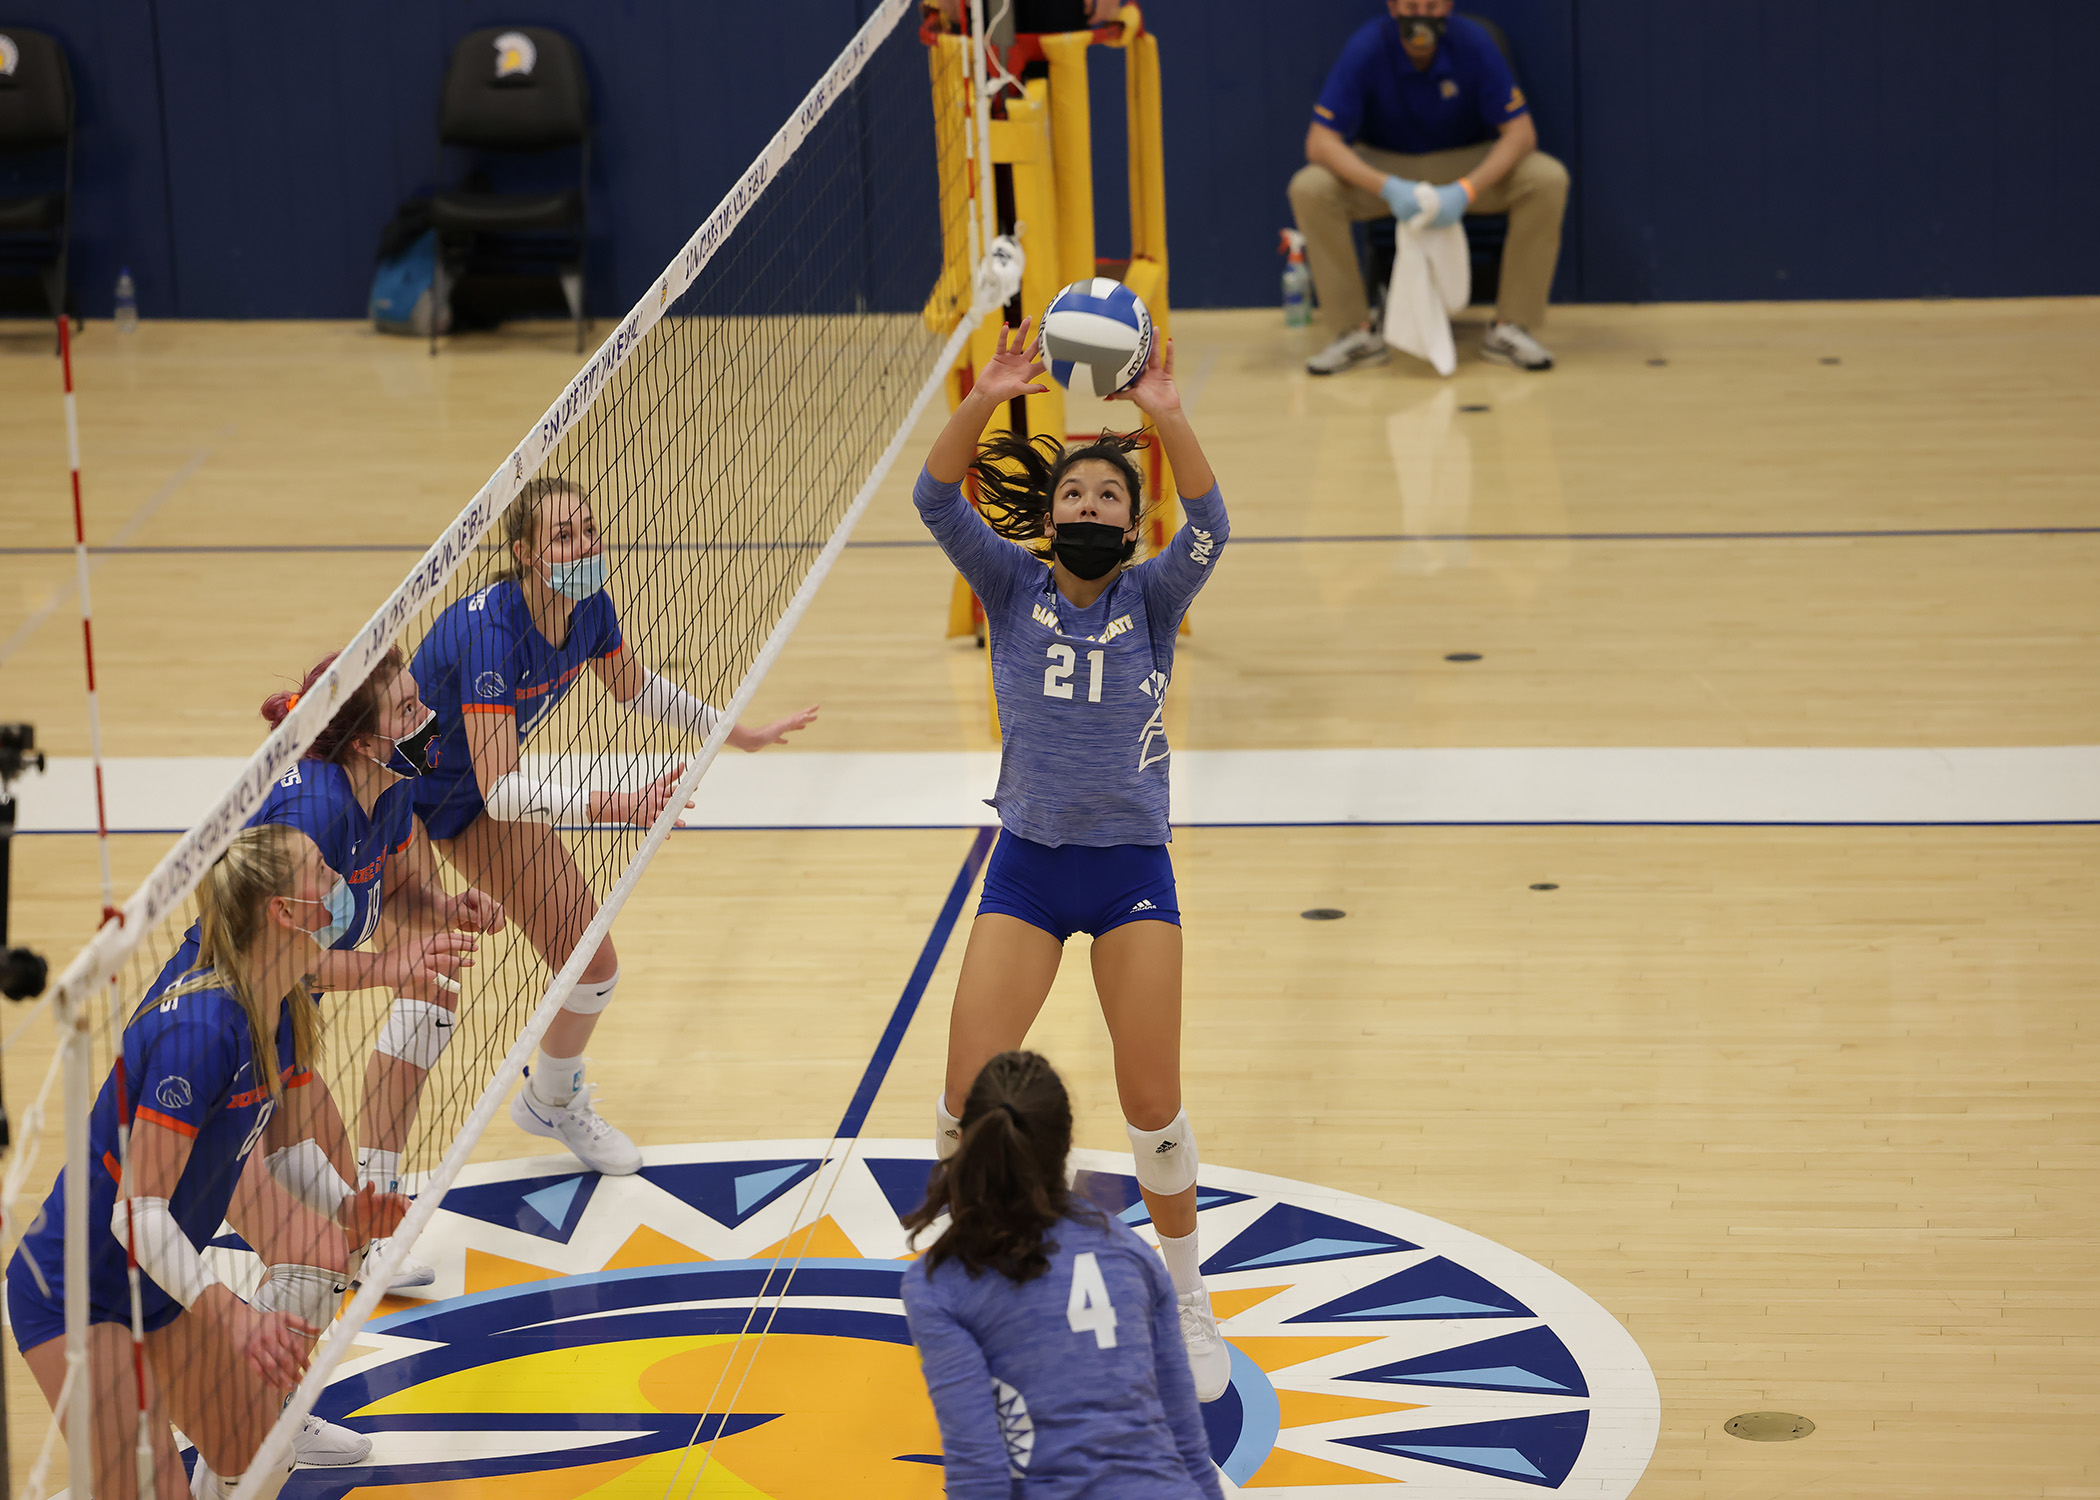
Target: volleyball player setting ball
[
  {"x": 216, "y": 1066},
  {"x": 1047, "y": 1332},
  {"x": 1082, "y": 650},
  {"x": 494, "y": 665}
]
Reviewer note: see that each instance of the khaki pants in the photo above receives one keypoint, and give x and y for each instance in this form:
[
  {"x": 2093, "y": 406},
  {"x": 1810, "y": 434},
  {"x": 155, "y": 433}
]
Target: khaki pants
[{"x": 1534, "y": 195}]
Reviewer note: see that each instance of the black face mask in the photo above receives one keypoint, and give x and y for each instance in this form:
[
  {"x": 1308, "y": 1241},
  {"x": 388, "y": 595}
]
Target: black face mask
[
  {"x": 1421, "y": 31},
  {"x": 1090, "y": 550},
  {"x": 411, "y": 755}
]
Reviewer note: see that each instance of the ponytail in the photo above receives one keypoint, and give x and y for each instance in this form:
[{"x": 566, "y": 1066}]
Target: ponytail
[
  {"x": 1004, "y": 1188},
  {"x": 232, "y": 908},
  {"x": 358, "y": 716},
  {"x": 1017, "y": 479}
]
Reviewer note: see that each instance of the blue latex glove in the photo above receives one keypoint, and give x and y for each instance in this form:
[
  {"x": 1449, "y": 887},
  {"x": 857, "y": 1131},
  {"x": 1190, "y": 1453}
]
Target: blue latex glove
[
  {"x": 1451, "y": 204},
  {"x": 1399, "y": 195}
]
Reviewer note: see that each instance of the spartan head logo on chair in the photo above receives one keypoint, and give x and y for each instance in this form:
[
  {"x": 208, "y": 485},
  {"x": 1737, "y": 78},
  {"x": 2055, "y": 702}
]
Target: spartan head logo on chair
[
  {"x": 10, "y": 56},
  {"x": 515, "y": 55}
]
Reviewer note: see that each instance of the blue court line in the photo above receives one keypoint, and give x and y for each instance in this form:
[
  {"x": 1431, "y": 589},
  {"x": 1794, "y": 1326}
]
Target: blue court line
[
  {"x": 271, "y": 548},
  {"x": 914, "y": 988},
  {"x": 30, "y": 833}
]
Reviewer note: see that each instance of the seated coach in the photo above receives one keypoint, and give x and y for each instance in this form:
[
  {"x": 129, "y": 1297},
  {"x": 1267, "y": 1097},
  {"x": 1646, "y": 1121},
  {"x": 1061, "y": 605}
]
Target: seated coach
[{"x": 1423, "y": 96}]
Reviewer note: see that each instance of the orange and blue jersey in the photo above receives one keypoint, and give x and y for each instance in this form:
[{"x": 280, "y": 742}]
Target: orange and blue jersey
[
  {"x": 484, "y": 655},
  {"x": 315, "y": 798},
  {"x": 188, "y": 1066}
]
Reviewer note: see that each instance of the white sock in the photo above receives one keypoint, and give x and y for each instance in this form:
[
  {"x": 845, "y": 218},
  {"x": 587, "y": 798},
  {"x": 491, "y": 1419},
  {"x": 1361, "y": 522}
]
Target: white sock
[
  {"x": 1184, "y": 1264},
  {"x": 555, "y": 1080},
  {"x": 380, "y": 1168}
]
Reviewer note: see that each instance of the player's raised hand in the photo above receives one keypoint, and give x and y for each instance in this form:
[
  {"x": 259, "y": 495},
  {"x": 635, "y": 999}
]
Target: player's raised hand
[
  {"x": 1154, "y": 392},
  {"x": 428, "y": 967},
  {"x": 369, "y": 1214},
  {"x": 276, "y": 1345},
  {"x": 775, "y": 733},
  {"x": 1013, "y": 370},
  {"x": 653, "y": 798},
  {"x": 477, "y": 911}
]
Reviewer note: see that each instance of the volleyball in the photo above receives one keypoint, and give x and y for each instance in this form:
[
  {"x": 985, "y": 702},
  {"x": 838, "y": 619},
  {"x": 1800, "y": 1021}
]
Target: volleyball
[{"x": 1097, "y": 336}]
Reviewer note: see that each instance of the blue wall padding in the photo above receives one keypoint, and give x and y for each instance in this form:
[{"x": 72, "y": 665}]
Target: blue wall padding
[{"x": 241, "y": 156}]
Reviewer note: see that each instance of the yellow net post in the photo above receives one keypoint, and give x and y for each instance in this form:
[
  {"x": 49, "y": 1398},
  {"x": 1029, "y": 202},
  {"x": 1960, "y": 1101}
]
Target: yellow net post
[{"x": 1042, "y": 151}]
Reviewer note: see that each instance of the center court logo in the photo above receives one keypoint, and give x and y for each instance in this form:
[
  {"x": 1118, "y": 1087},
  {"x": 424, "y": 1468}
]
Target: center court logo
[{"x": 595, "y": 1336}]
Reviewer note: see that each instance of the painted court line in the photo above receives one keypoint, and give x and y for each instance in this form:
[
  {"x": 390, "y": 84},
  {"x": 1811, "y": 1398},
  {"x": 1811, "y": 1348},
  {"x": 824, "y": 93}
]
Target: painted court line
[
  {"x": 1634, "y": 785},
  {"x": 915, "y": 988},
  {"x": 1863, "y": 534}
]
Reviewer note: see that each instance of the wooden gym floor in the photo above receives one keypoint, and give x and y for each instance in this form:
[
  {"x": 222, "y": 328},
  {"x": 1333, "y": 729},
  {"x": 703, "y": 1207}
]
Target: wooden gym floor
[{"x": 1810, "y": 1109}]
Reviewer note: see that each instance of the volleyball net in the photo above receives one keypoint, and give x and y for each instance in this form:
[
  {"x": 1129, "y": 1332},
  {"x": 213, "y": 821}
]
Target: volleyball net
[{"x": 725, "y": 438}]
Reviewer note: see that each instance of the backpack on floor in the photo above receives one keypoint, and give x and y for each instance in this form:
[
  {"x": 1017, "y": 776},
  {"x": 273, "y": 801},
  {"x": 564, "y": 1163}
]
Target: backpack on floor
[{"x": 403, "y": 288}]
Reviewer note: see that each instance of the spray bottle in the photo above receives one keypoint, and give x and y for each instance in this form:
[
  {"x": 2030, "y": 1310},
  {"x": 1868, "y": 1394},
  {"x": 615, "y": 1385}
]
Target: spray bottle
[{"x": 1297, "y": 281}]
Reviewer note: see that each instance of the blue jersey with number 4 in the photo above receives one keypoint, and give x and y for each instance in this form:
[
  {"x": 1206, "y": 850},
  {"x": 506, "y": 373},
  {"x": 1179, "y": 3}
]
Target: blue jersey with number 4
[
  {"x": 1072, "y": 1386},
  {"x": 189, "y": 1067},
  {"x": 1081, "y": 691}
]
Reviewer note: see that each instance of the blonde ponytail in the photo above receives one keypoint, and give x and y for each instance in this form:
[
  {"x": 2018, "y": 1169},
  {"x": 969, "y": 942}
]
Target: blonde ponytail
[{"x": 232, "y": 909}]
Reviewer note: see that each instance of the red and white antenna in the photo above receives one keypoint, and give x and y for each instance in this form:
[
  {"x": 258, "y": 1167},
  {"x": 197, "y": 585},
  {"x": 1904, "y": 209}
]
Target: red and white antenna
[{"x": 87, "y": 621}]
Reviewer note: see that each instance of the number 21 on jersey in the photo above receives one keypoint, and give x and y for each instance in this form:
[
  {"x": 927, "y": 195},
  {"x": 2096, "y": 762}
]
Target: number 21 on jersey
[
  {"x": 1057, "y": 677},
  {"x": 1088, "y": 1309}
]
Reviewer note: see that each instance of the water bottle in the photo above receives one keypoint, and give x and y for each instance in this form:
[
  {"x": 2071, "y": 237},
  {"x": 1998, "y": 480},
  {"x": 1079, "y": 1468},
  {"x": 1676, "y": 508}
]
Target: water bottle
[
  {"x": 1297, "y": 282},
  {"x": 127, "y": 302}
]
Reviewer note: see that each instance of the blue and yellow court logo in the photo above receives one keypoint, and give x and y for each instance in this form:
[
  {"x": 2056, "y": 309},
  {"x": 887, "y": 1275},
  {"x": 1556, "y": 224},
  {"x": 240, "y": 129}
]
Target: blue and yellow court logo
[{"x": 728, "y": 1323}]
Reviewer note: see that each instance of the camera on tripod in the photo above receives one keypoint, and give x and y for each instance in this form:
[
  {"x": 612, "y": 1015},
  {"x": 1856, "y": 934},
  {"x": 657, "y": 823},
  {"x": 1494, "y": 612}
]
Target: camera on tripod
[{"x": 22, "y": 973}]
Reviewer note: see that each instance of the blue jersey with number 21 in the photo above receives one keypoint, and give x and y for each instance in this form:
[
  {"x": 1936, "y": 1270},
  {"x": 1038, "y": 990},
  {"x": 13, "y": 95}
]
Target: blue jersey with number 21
[{"x": 1081, "y": 691}]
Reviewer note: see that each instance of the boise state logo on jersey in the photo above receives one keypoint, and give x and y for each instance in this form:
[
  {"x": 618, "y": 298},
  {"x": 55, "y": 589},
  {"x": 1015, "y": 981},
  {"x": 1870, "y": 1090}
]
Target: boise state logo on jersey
[
  {"x": 174, "y": 1092},
  {"x": 597, "y": 1336},
  {"x": 489, "y": 685}
]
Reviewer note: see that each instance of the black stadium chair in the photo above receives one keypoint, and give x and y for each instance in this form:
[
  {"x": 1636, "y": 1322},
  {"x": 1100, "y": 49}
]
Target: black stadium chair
[
  {"x": 36, "y": 150},
  {"x": 515, "y": 97}
]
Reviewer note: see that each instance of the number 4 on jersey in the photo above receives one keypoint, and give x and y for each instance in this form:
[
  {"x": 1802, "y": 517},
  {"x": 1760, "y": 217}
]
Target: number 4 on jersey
[{"x": 1088, "y": 1309}]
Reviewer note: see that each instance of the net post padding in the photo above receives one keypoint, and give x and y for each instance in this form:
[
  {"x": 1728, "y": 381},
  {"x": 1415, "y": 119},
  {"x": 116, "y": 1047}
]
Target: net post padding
[{"x": 265, "y": 1473}]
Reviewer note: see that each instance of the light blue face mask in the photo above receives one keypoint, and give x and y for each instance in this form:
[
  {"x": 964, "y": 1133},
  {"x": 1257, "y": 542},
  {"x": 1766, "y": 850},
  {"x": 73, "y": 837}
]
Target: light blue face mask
[
  {"x": 341, "y": 905},
  {"x": 579, "y": 579}
]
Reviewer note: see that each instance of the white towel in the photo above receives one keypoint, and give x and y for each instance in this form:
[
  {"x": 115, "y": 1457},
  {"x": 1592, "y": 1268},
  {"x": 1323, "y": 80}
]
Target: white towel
[{"x": 1432, "y": 279}]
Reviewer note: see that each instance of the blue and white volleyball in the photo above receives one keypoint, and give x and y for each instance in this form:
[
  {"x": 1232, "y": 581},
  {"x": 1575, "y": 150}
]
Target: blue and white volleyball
[{"x": 1097, "y": 336}]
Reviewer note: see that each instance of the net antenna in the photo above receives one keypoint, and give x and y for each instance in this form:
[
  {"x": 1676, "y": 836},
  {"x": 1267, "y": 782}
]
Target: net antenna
[{"x": 729, "y": 433}]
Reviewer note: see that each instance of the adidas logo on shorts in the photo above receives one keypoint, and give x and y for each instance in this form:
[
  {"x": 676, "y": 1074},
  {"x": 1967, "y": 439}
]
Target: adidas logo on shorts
[
  {"x": 1144, "y": 906},
  {"x": 1164, "y": 1147}
]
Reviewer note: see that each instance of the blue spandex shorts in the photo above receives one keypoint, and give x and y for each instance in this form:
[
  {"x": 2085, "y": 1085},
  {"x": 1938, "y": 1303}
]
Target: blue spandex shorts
[
  {"x": 36, "y": 1319},
  {"x": 446, "y": 804},
  {"x": 1075, "y": 888}
]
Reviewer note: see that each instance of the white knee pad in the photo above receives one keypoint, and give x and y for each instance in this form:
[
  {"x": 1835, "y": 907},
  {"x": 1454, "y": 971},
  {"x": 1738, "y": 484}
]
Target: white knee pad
[
  {"x": 947, "y": 1130},
  {"x": 588, "y": 999},
  {"x": 309, "y": 1293},
  {"x": 417, "y": 1032},
  {"x": 1166, "y": 1159}
]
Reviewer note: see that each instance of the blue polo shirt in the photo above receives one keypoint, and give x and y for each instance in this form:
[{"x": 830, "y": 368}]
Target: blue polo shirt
[{"x": 1377, "y": 96}]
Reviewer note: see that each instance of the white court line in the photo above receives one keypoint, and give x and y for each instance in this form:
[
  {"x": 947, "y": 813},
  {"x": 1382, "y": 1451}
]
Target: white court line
[
  {"x": 63, "y": 595},
  {"x": 939, "y": 789}
]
